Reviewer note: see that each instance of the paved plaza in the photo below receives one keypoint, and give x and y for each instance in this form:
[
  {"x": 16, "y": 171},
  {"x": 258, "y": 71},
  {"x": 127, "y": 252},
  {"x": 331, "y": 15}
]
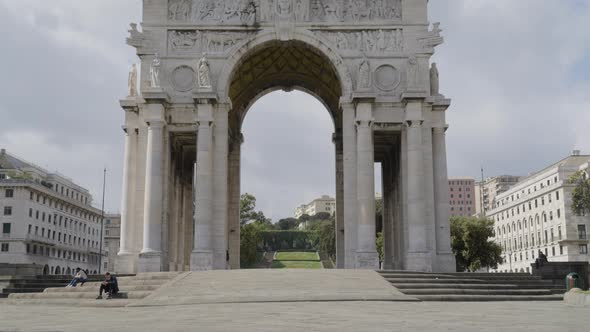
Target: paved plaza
[{"x": 302, "y": 316}]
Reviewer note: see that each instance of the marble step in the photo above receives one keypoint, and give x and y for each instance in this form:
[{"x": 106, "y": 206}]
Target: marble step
[
  {"x": 458, "y": 291},
  {"x": 446, "y": 276},
  {"x": 77, "y": 295},
  {"x": 467, "y": 281},
  {"x": 85, "y": 288},
  {"x": 68, "y": 302},
  {"x": 404, "y": 286},
  {"x": 122, "y": 283},
  {"x": 486, "y": 298}
]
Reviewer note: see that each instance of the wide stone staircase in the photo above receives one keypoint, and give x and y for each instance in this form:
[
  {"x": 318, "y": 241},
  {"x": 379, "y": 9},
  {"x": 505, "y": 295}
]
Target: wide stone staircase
[
  {"x": 473, "y": 286},
  {"x": 131, "y": 290}
]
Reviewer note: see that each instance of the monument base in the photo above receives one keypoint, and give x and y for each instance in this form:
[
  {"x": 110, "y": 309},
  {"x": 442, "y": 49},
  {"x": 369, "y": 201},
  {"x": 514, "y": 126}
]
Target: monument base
[
  {"x": 126, "y": 263},
  {"x": 149, "y": 262},
  {"x": 445, "y": 262},
  {"x": 418, "y": 261},
  {"x": 201, "y": 260},
  {"x": 367, "y": 260}
]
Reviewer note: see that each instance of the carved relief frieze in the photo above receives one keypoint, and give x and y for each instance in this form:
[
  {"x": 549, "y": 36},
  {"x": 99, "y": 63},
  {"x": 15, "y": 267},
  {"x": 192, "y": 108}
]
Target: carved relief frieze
[
  {"x": 199, "y": 41},
  {"x": 366, "y": 41},
  {"x": 251, "y": 11}
]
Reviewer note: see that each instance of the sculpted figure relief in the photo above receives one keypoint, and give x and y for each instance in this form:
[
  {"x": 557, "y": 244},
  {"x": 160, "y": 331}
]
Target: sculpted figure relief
[
  {"x": 204, "y": 73},
  {"x": 413, "y": 73},
  {"x": 302, "y": 9},
  {"x": 364, "y": 78},
  {"x": 367, "y": 41},
  {"x": 199, "y": 41},
  {"x": 155, "y": 71},
  {"x": 179, "y": 10},
  {"x": 284, "y": 7},
  {"x": 132, "y": 81},
  {"x": 434, "y": 85}
]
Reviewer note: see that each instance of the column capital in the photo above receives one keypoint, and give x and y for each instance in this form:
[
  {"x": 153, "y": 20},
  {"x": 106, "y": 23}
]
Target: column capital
[
  {"x": 364, "y": 123},
  {"x": 153, "y": 123},
  {"x": 440, "y": 130},
  {"x": 414, "y": 123},
  {"x": 130, "y": 130}
]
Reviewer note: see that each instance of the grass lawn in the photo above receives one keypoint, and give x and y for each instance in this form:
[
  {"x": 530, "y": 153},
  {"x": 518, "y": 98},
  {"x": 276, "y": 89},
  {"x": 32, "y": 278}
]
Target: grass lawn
[
  {"x": 297, "y": 256},
  {"x": 296, "y": 265}
]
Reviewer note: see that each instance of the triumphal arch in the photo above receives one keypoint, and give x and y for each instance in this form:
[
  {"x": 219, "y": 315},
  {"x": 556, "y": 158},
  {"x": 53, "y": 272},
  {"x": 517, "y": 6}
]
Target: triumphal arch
[{"x": 205, "y": 62}]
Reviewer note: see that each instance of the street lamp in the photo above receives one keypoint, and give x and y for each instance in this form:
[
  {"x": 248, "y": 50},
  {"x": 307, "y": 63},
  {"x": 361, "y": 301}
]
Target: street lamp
[{"x": 509, "y": 253}]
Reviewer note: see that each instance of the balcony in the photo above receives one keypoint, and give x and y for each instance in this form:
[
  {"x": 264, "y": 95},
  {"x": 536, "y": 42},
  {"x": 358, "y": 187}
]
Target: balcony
[{"x": 40, "y": 239}]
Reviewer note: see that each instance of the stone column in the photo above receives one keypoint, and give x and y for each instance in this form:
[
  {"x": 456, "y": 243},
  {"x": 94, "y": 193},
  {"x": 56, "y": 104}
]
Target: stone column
[
  {"x": 339, "y": 213},
  {"x": 386, "y": 184},
  {"x": 234, "y": 201},
  {"x": 445, "y": 258},
  {"x": 366, "y": 252},
  {"x": 417, "y": 257},
  {"x": 349, "y": 184},
  {"x": 126, "y": 255},
  {"x": 202, "y": 254},
  {"x": 151, "y": 253},
  {"x": 219, "y": 228}
]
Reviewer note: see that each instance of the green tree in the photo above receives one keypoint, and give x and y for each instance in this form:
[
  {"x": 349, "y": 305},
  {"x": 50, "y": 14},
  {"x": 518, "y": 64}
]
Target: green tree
[
  {"x": 322, "y": 216},
  {"x": 247, "y": 210},
  {"x": 581, "y": 193},
  {"x": 379, "y": 244},
  {"x": 470, "y": 240},
  {"x": 249, "y": 239},
  {"x": 287, "y": 223}
]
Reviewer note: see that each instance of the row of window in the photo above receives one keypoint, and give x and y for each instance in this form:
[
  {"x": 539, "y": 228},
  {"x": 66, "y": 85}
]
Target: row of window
[
  {"x": 522, "y": 207},
  {"x": 460, "y": 182},
  {"x": 519, "y": 244},
  {"x": 42, "y": 199},
  {"x": 459, "y": 189},
  {"x": 461, "y": 209},
  {"x": 461, "y": 196},
  {"x": 511, "y": 198},
  {"x": 460, "y": 202},
  {"x": 504, "y": 230},
  {"x": 62, "y": 254},
  {"x": 67, "y": 222},
  {"x": 67, "y": 238},
  {"x": 582, "y": 250}
]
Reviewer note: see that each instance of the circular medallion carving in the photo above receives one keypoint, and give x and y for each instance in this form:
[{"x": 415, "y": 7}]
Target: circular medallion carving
[
  {"x": 183, "y": 78},
  {"x": 387, "y": 77}
]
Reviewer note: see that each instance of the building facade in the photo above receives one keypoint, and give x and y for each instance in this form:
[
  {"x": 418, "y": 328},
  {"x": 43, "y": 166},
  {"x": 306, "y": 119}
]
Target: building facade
[
  {"x": 323, "y": 204},
  {"x": 46, "y": 219},
  {"x": 487, "y": 190},
  {"x": 203, "y": 67},
  {"x": 461, "y": 196},
  {"x": 535, "y": 215},
  {"x": 112, "y": 237}
]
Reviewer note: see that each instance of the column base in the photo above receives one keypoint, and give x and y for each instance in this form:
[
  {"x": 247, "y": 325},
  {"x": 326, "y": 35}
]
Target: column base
[
  {"x": 367, "y": 260},
  {"x": 445, "y": 262},
  {"x": 126, "y": 263},
  {"x": 201, "y": 260},
  {"x": 149, "y": 262},
  {"x": 418, "y": 261}
]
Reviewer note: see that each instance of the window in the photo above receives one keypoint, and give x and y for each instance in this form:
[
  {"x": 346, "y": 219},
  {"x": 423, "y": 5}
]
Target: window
[
  {"x": 552, "y": 251},
  {"x": 6, "y": 228},
  {"x": 8, "y": 210},
  {"x": 559, "y": 232},
  {"x": 582, "y": 232},
  {"x": 4, "y": 247},
  {"x": 9, "y": 193},
  {"x": 557, "y": 195},
  {"x": 31, "y": 212},
  {"x": 30, "y": 227},
  {"x": 583, "y": 249},
  {"x": 561, "y": 250},
  {"x": 558, "y": 213}
]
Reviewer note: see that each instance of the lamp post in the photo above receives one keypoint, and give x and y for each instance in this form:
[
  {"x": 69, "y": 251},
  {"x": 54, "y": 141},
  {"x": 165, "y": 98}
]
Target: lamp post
[
  {"x": 104, "y": 178},
  {"x": 509, "y": 252}
]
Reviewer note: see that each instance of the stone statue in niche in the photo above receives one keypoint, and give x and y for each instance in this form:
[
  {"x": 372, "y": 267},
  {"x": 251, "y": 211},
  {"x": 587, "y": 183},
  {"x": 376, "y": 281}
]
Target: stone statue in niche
[
  {"x": 132, "y": 81},
  {"x": 266, "y": 10},
  {"x": 332, "y": 10},
  {"x": 364, "y": 78},
  {"x": 434, "y": 86},
  {"x": 155, "y": 71},
  {"x": 284, "y": 8},
  {"x": 302, "y": 10},
  {"x": 413, "y": 73},
  {"x": 204, "y": 73}
]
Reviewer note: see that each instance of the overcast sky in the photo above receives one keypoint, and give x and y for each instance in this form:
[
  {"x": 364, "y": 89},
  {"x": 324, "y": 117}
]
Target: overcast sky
[{"x": 518, "y": 73}]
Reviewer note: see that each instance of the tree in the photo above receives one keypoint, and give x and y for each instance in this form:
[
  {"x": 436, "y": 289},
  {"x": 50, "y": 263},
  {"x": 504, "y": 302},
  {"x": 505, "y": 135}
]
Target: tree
[
  {"x": 247, "y": 213},
  {"x": 249, "y": 239},
  {"x": 287, "y": 223},
  {"x": 322, "y": 216},
  {"x": 581, "y": 193},
  {"x": 470, "y": 240},
  {"x": 379, "y": 245}
]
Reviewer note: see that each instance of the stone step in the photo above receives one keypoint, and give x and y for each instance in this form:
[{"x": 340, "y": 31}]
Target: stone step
[
  {"x": 404, "y": 286},
  {"x": 124, "y": 288},
  {"x": 485, "y": 298},
  {"x": 78, "y": 303},
  {"x": 466, "y": 281},
  {"x": 444, "y": 276},
  {"x": 77, "y": 295},
  {"x": 458, "y": 291},
  {"x": 131, "y": 282},
  {"x": 474, "y": 274}
]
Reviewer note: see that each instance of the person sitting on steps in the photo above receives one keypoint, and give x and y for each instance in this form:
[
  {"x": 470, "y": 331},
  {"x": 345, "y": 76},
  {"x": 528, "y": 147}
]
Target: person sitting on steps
[
  {"x": 109, "y": 286},
  {"x": 80, "y": 277},
  {"x": 542, "y": 259}
]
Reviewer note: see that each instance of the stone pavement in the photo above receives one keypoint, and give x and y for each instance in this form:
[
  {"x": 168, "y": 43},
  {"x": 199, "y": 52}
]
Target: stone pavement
[{"x": 302, "y": 316}]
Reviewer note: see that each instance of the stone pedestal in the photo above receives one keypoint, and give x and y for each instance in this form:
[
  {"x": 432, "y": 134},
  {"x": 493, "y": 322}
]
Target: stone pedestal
[
  {"x": 126, "y": 263},
  {"x": 149, "y": 262},
  {"x": 201, "y": 260},
  {"x": 367, "y": 260}
]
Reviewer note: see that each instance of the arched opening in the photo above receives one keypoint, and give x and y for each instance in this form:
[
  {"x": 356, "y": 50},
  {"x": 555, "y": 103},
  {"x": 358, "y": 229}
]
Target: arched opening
[
  {"x": 46, "y": 270},
  {"x": 69, "y": 271},
  {"x": 57, "y": 270},
  {"x": 272, "y": 66}
]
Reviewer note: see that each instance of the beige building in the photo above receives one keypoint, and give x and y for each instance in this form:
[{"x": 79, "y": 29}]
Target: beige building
[
  {"x": 486, "y": 191},
  {"x": 112, "y": 237},
  {"x": 535, "y": 214},
  {"x": 46, "y": 219},
  {"x": 461, "y": 196},
  {"x": 323, "y": 204}
]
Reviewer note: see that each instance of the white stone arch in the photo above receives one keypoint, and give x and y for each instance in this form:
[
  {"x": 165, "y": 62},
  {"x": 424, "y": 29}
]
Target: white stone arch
[{"x": 233, "y": 61}]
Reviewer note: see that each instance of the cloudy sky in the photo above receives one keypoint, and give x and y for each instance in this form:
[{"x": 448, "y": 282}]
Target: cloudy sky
[{"x": 518, "y": 73}]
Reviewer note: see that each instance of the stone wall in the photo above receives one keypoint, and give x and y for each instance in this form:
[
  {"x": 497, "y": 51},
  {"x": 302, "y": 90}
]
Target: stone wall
[{"x": 557, "y": 271}]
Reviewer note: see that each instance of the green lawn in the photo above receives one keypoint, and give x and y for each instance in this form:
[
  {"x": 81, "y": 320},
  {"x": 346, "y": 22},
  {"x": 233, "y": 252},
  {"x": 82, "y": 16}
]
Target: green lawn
[
  {"x": 297, "y": 256},
  {"x": 296, "y": 265}
]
